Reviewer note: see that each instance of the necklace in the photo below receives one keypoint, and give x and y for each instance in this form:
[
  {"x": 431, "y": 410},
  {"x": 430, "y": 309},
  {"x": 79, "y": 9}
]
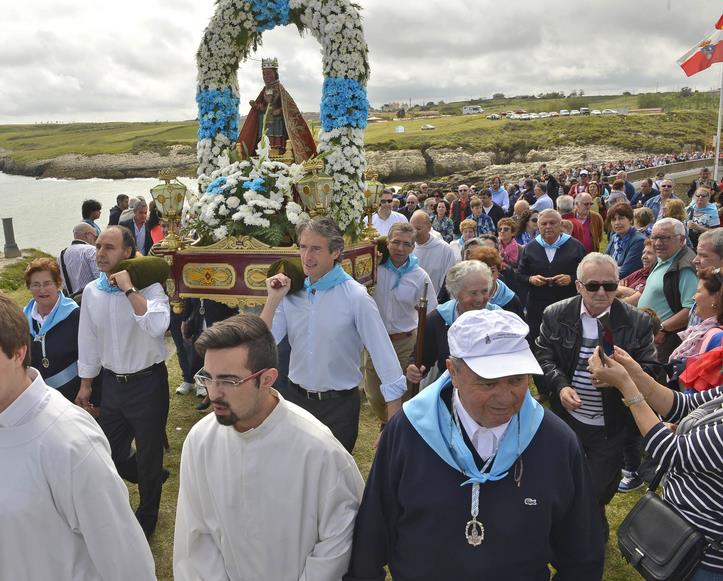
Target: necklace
[{"x": 474, "y": 530}]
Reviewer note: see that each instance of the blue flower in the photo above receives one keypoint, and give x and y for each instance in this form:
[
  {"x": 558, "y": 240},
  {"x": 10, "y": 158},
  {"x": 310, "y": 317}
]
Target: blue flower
[
  {"x": 270, "y": 13},
  {"x": 217, "y": 113},
  {"x": 217, "y": 186},
  {"x": 343, "y": 104},
  {"x": 255, "y": 184}
]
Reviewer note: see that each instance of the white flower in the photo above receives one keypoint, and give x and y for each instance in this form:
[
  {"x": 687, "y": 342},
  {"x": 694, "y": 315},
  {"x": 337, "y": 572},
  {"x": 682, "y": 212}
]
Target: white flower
[
  {"x": 233, "y": 202},
  {"x": 220, "y": 233}
]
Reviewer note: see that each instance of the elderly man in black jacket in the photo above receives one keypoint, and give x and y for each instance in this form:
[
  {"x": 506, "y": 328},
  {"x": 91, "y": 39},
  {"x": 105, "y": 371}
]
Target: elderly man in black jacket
[{"x": 570, "y": 331}]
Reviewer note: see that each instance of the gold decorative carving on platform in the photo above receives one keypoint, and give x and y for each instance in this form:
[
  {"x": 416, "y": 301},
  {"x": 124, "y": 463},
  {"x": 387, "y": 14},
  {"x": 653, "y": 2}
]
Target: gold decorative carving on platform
[
  {"x": 255, "y": 276},
  {"x": 363, "y": 266},
  {"x": 241, "y": 245},
  {"x": 170, "y": 287},
  {"x": 169, "y": 259},
  {"x": 233, "y": 301},
  {"x": 346, "y": 265},
  {"x": 209, "y": 276}
]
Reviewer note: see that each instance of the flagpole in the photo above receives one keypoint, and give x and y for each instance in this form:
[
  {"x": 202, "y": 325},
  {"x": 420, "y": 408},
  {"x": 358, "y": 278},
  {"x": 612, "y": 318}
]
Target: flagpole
[{"x": 717, "y": 138}]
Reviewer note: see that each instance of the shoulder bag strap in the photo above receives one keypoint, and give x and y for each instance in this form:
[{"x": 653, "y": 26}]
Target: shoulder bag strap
[{"x": 68, "y": 286}]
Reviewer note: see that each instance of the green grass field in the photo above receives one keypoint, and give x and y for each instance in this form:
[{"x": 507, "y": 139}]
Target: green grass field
[
  {"x": 687, "y": 122},
  {"x": 182, "y": 416}
]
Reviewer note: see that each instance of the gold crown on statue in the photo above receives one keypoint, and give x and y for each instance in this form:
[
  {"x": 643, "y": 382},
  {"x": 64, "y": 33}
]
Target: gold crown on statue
[{"x": 270, "y": 63}]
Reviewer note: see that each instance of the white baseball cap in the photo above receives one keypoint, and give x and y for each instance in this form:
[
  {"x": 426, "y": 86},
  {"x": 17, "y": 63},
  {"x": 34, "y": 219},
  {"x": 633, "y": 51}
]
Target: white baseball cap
[{"x": 492, "y": 344}]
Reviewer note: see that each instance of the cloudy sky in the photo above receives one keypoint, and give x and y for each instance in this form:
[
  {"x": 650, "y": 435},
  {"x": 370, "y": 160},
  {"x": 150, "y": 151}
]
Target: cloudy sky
[{"x": 134, "y": 60}]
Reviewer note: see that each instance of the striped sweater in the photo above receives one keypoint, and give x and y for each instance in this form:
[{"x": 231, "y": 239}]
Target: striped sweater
[{"x": 695, "y": 469}]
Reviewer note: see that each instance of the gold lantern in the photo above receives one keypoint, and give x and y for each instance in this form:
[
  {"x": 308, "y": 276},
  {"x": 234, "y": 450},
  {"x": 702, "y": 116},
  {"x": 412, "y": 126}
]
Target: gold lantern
[
  {"x": 315, "y": 188},
  {"x": 372, "y": 196},
  {"x": 169, "y": 198}
]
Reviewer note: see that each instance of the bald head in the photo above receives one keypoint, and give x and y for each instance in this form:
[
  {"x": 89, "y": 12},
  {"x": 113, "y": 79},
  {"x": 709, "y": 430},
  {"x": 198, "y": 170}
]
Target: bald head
[
  {"x": 422, "y": 224},
  {"x": 84, "y": 232},
  {"x": 521, "y": 206}
]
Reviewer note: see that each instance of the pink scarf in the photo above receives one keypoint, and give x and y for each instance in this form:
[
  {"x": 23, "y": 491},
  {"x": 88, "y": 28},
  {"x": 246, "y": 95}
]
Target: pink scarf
[{"x": 693, "y": 338}]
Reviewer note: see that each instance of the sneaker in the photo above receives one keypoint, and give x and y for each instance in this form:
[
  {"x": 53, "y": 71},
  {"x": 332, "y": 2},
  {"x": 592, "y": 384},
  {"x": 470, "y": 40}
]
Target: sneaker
[
  {"x": 200, "y": 391},
  {"x": 184, "y": 388},
  {"x": 630, "y": 483}
]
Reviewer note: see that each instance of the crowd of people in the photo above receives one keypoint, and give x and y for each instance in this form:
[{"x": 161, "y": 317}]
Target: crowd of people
[{"x": 569, "y": 324}]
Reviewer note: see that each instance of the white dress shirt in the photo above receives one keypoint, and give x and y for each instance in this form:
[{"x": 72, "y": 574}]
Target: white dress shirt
[
  {"x": 396, "y": 305},
  {"x": 111, "y": 335},
  {"x": 327, "y": 332},
  {"x": 484, "y": 440}
]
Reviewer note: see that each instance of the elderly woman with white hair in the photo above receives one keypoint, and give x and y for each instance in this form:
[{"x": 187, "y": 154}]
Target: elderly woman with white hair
[{"x": 469, "y": 283}]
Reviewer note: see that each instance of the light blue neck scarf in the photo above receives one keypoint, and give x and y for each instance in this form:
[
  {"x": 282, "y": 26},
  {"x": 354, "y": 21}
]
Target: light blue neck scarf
[
  {"x": 102, "y": 283},
  {"x": 62, "y": 309},
  {"x": 335, "y": 276},
  {"x": 556, "y": 244},
  {"x": 449, "y": 313},
  {"x": 429, "y": 415},
  {"x": 409, "y": 265}
]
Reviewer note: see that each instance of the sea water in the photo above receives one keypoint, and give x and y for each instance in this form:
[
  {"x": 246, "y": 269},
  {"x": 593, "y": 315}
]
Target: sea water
[{"x": 44, "y": 211}]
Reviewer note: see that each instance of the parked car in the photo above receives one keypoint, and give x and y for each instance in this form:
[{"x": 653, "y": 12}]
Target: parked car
[
  {"x": 553, "y": 114},
  {"x": 584, "y": 111},
  {"x": 609, "y": 112},
  {"x": 493, "y": 117},
  {"x": 534, "y": 116},
  {"x": 574, "y": 112},
  {"x": 564, "y": 113},
  {"x": 595, "y": 112},
  {"x": 427, "y": 127}
]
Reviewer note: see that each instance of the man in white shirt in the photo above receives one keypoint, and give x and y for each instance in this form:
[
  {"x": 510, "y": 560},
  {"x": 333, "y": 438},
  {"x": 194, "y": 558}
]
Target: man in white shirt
[
  {"x": 65, "y": 512},
  {"x": 121, "y": 331},
  {"x": 400, "y": 285},
  {"x": 77, "y": 261},
  {"x": 328, "y": 323},
  {"x": 384, "y": 217},
  {"x": 434, "y": 254},
  {"x": 266, "y": 492}
]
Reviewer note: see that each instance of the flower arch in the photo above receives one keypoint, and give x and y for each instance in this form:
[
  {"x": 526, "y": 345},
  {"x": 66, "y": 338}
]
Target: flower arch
[{"x": 234, "y": 32}]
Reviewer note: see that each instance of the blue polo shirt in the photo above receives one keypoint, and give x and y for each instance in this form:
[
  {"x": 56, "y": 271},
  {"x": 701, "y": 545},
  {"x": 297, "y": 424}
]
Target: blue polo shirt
[{"x": 653, "y": 296}]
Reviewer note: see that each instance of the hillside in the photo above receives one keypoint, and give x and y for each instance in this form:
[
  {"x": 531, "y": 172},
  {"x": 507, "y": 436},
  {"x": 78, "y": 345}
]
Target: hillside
[{"x": 139, "y": 149}]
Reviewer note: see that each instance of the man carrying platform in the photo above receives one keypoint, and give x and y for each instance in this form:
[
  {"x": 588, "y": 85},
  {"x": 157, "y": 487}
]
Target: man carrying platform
[
  {"x": 328, "y": 323},
  {"x": 474, "y": 479}
]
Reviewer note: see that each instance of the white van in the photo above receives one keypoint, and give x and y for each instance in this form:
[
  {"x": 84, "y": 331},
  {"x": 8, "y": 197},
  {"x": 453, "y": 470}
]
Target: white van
[{"x": 472, "y": 110}]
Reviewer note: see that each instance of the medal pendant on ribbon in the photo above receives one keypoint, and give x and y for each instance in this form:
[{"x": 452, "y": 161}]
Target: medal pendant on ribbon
[
  {"x": 475, "y": 532},
  {"x": 45, "y": 362}
]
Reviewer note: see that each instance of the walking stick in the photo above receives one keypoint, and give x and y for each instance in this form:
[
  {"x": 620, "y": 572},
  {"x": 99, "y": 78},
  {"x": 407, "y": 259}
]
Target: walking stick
[{"x": 421, "y": 309}]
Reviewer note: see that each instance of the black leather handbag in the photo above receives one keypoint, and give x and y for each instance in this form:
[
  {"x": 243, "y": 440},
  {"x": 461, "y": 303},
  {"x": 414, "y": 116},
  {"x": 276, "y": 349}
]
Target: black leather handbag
[{"x": 658, "y": 542}]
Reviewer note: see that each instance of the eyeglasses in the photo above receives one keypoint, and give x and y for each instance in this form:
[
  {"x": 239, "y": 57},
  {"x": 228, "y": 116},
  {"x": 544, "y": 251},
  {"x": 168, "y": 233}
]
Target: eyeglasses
[
  {"x": 385, "y": 201},
  {"x": 205, "y": 381},
  {"x": 664, "y": 186},
  {"x": 402, "y": 243},
  {"x": 46, "y": 284},
  {"x": 702, "y": 195},
  {"x": 533, "y": 219},
  {"x": 663, "y": 238},
  {"x": 594, "y": 286}
]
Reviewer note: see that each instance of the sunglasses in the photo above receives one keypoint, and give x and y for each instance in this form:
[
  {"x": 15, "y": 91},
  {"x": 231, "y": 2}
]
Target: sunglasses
[
  {"x": 533, "y": 219},
  {"x": 595, "y": 286},
  {"x": 385, "y": 201}
]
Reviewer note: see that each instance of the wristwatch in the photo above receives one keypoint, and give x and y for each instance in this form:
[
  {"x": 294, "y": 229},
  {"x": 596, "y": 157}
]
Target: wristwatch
[{"x": 131, "y": 290}]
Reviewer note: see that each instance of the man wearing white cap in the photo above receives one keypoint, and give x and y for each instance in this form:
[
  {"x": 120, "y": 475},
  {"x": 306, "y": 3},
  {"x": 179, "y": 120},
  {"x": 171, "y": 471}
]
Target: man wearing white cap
[{"x": 474, "y": 469}]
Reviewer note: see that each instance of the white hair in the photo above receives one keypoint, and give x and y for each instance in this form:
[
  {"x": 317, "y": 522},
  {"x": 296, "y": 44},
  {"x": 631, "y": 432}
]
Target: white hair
[
  {"x": 600, "y": 259},
  {"x": 461, "y": 270},
  {"x": 565, "y": 203},
  {"x": 678, "y": 226}
]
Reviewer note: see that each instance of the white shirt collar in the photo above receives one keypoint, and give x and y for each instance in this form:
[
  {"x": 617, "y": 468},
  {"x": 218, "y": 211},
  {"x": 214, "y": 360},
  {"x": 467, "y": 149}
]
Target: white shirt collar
[
  {"x": 484, "y": 440},
  {"x": 585, "y": 313},
  {"x": 28, "y": 403}
]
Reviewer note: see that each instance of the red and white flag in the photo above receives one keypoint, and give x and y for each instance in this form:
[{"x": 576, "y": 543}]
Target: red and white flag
[{"x": 705, "y": 53}]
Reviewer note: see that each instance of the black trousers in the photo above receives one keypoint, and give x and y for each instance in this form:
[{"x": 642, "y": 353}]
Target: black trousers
[
  {"x": 138, "y": 410},
  {"x": 183, "y": 348},
  {"x": 340, "y": 415},
  {"x": 604, "y": 452}
]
